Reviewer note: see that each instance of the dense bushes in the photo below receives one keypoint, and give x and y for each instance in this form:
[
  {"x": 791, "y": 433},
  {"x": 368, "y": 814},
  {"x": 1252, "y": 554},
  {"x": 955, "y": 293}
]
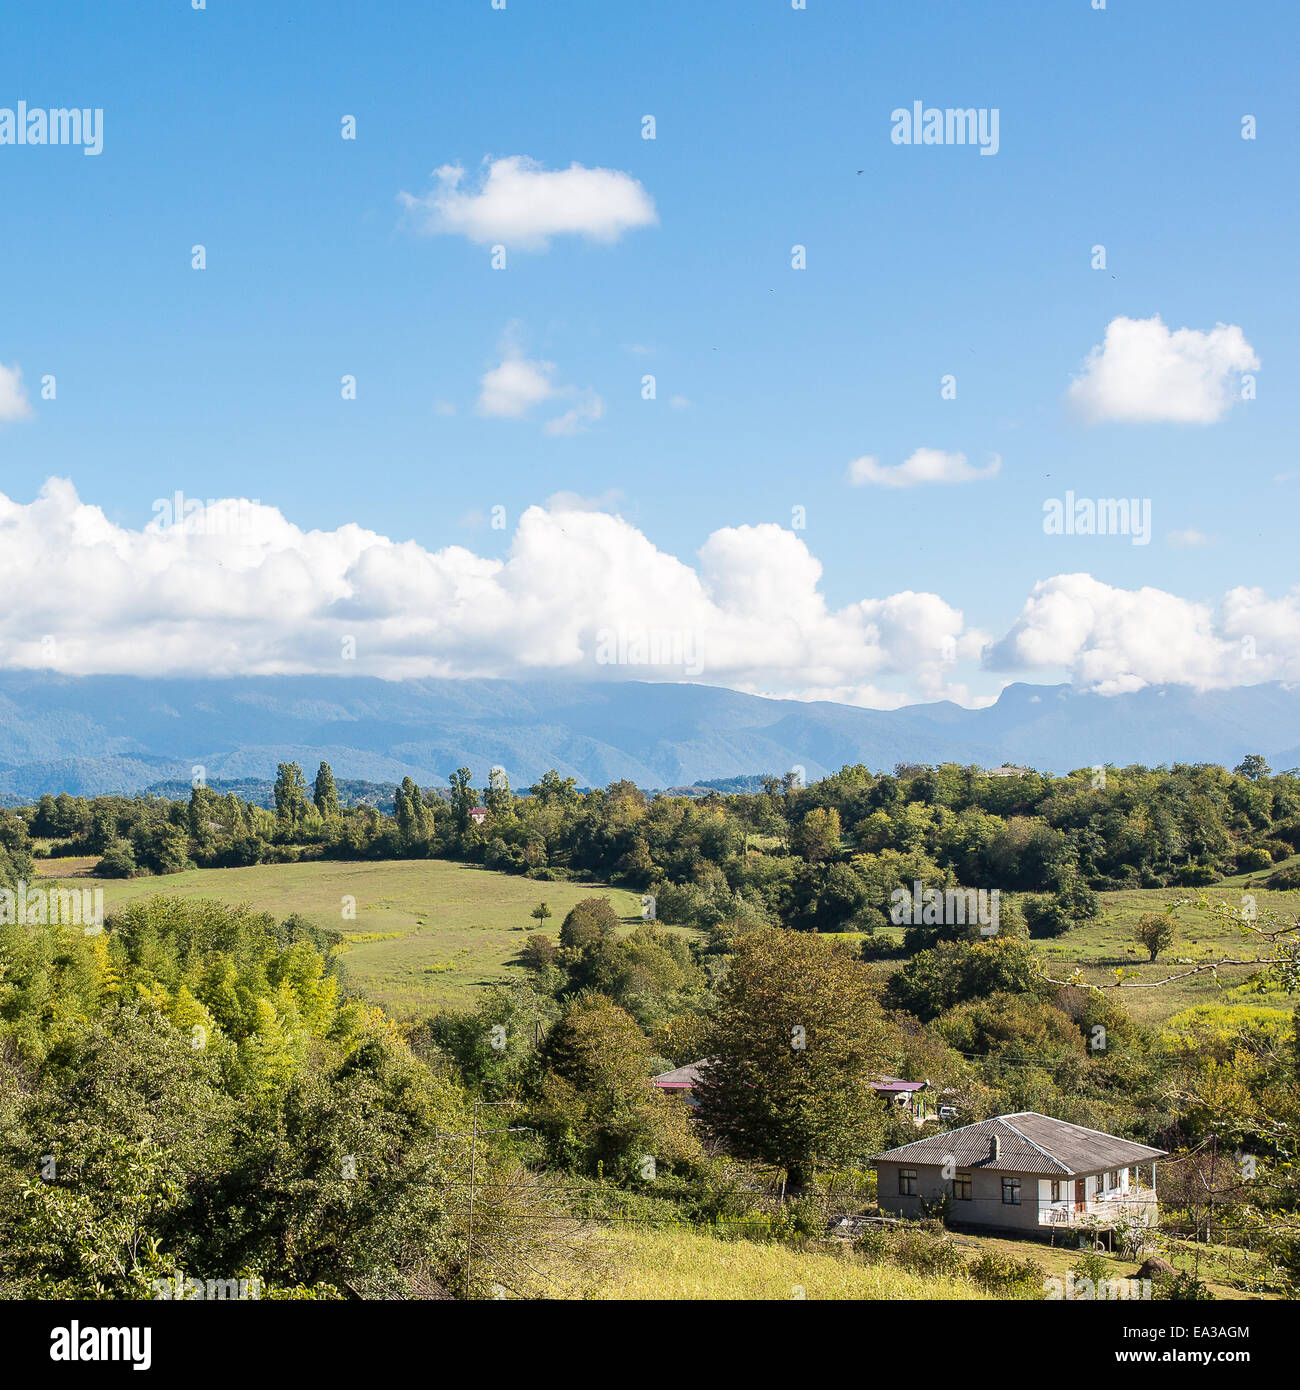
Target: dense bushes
[{"x": 192, "y": 1090}]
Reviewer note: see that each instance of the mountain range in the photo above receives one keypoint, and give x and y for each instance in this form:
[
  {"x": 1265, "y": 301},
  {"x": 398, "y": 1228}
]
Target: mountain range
[{"x": 93, "y": 735}]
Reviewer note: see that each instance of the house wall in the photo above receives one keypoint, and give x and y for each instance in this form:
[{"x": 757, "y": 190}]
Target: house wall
[{"x": 986, "y": 1207}]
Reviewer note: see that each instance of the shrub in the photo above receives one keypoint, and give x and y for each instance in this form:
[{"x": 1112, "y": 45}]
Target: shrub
[
  {"x": 1181, "y": 1287},
  {"x": 1092, "y": 1265},
  {"x": 805, "y": 1216},
  {"x": 1046, "y": 917},
  {"x": 1154, "y": 932},
  {"x": 874, "y": 1245},
  {"x": 117, "y": 861},
  {"x": 587, "y": 922},
  {"x": 926, "y": 1254},
  {"x": 1001, "y": 1274},
  {"x": 538, "y": 952}
]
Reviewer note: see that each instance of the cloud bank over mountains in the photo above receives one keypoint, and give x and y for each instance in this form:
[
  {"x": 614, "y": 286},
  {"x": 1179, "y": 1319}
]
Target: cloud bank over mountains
[{"x": 581, "y": 593}]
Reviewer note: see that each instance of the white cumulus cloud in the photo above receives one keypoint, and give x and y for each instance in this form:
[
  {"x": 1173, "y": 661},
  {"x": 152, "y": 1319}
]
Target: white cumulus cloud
[
  {"x": 518, "y": 384},
  {"x": 923, "y": 466},
  {"x": 521, "y": 204},
  {"x": 511, "y": 390},
  {"x": 14, "y": 404},
  {"x": 580, "y": 592},
  {"x": 1111, "y": 639},
  {"x": 1143, "y": 373}
]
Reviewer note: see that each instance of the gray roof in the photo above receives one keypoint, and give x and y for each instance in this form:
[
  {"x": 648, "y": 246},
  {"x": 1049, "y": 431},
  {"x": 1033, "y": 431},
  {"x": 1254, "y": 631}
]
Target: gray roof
[
  {"x": 680, "y": 1078},
  {"x": 1030, "y": 1143}
]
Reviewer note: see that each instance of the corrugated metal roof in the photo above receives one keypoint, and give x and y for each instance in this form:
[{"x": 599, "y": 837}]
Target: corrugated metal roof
[{"x": 1029, "y": 1143}]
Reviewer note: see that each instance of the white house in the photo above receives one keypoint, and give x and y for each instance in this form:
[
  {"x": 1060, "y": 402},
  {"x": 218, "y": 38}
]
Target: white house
[{"x": 1022, "y": 1172}]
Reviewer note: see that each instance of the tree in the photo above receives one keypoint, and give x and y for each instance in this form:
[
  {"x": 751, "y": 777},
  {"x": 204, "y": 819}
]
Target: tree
[
  {"x": 161, "y": 849},
  {"x": 1252, "y": 767},
  {"x": 587, "y": 922},
  {"x": 414, "y": 815},
  {"x": 936, "y": 980},
  {"x": 538, "y": 953},
  {"x": 541, "y": 912},
  {"x": 593, "y": 1103},
  {"x": 553, "y": 787},
  {"x": 131, "y": 1119},
  {"x": 325, "y": 793},
  {"x": 462, "y": 798},
  {"x": 818, "y": 835},
  {"x": 117, "y": 861},
  {"x": 796, "y": 1041},
  {"x": 841, "y": 899},
  {"x": 497, "y": 796},
  {"x": 290, "y": 795},
  {"x": 1154, "y": 932}
]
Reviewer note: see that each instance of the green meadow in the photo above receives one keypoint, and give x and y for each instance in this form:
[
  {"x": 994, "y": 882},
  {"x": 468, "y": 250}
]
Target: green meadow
[
  {"x": 431, "y": 932},
  {"x": 1106, "y": 945},
  {"x": 427, "y": 932}
]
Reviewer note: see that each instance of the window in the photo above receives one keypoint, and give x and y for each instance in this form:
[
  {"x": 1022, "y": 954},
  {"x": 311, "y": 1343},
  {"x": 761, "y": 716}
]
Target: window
[
  {"x": 1010, "y": 1192},
  {"x": 1056, "y": 1189},
  {"x": 1112, "y": 1181},
  {"x": 907, "y": 1182},
  {"x": 961, "y": 1187}
]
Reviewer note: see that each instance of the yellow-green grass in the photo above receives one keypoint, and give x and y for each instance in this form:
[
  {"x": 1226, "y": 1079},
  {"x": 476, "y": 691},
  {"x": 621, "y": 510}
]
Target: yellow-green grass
[
  {"x": 1057, "y": 1260},
  {"x": 438, "y": 931},
  {"x": 427, "y": 932},
  {"x": 1103, "y": 946},
  {"x": 681, "y": 1262}
]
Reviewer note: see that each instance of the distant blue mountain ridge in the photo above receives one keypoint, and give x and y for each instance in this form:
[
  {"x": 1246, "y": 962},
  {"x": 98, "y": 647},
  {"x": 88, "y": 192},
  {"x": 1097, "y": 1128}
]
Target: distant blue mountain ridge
[{"x": 93, "y": 735}]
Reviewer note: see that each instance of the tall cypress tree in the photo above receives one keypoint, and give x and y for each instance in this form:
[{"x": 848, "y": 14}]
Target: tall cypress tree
[
  {"x": 290, "y": 794},
  {"x": 325, "y": 793}
]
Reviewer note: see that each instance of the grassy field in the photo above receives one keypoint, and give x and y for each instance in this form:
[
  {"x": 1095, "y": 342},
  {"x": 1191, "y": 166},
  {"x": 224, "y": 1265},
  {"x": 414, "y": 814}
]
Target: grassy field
[
  {"x": 1215, "y": 1262},
  {"x": 691, "y": 1263},
  {"x": 679, "y": 1262},
  {"x": 1103, "y": 946},
  {"x": 431, "y": 932},
  {"x": 427, "y": 932}
]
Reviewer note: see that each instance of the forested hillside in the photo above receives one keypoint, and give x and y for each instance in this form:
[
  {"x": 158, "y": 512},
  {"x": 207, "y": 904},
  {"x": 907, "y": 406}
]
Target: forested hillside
[{"x": 199, "y": 1088}]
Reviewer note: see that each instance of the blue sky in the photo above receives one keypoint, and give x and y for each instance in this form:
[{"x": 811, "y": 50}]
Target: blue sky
[{"x": 1119, "y": 127}]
